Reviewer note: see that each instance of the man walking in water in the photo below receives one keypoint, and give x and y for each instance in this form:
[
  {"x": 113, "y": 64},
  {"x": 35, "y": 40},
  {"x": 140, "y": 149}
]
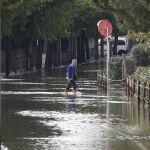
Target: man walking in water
[{"x": 71, "y": 76}]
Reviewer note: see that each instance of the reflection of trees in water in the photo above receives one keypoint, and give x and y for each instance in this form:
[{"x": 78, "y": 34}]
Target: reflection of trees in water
[{"x": 137, "y": 114}]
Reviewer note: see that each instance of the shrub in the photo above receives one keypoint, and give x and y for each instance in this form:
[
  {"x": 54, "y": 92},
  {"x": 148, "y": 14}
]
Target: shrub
[
  {"x": 142, "y": 74},
  {"x": 141, "y": 55},
  {"x": 131, "y": 67},
  {"x": 116, "y": 67}
]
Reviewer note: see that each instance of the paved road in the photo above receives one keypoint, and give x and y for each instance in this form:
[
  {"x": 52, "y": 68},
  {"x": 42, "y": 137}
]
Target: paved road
[{"x": 37, "y": 116}]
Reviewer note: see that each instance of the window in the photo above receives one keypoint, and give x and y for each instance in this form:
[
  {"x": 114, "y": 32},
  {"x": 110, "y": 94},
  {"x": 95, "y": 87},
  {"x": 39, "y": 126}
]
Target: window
[{"x": 121, "y": 42}]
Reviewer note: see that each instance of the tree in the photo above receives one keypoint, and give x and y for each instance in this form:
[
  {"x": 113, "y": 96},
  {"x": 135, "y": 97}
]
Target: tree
[
  {"x": 133, "y": 15},
  {"x": 29, "y": 20}
]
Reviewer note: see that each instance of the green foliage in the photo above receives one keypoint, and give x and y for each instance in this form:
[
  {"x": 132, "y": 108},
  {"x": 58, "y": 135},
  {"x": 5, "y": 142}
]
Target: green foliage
[
  {"x": 53, "y": 18},
  {"x": 131, "y": 67},
  {"x": 141, "y": 55},
  {"x": 38, "y": 18},
  {"x": 116, "y": 67},
  {"x": 48, "y": 20},
  {"x": 133, "y": 15},
  {"x": 87, "y": 19},
  {"x": 142, "y": 74},
  {"x": 8, "y": 11},
  {"x": 140, "y": 37}
]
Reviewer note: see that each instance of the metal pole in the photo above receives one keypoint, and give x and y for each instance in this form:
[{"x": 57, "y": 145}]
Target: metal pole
[
  {"x": 60, "y": 51},
  {"x": 108, "y": 58},
  {"x": 107, "y": 71},
  {"x": 124, "y": 67}
]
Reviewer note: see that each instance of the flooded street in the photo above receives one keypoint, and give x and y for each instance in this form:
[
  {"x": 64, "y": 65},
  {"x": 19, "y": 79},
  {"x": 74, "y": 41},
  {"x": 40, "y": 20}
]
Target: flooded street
[{"x": 36, "y": 115}]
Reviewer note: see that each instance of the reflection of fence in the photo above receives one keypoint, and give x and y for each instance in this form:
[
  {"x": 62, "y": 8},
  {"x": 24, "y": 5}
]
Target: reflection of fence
[
  {"x": 102, "y": 80},
  {"x": 138, "y": 89},
  {"x": 134, "y": 88}
]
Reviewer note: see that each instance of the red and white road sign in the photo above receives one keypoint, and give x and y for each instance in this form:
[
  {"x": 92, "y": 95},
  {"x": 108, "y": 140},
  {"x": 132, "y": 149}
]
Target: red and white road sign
[{"x": 104, "y": 25}]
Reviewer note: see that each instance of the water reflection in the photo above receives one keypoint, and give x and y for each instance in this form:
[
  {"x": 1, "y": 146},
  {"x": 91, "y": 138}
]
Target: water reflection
[
  {"x": 39, "y": 116},
  {"x": 71, "y": 103}
]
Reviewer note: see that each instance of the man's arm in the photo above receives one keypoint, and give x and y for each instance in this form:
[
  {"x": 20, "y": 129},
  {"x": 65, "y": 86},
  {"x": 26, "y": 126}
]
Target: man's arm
[{"x": 69, "y": 73}]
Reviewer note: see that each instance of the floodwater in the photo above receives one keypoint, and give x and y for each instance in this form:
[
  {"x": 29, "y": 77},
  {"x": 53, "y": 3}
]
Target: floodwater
[{"x": 36, "y": 115}]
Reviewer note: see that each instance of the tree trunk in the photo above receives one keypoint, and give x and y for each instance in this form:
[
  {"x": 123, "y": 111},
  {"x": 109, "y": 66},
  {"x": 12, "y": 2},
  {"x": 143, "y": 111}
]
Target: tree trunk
[
  {"x": 56, "y": 53},
  {"x": 60, "y": 51},
  {"x": 73, "y": 46},
  {"x": 79, "y": 48},
  {"x": 82, "y": 48},
  {"x": 102, "y": 47},
  {"x": 115, "y": 45},
  {"x": 48, "y": 63},
  {"x": 8, "y": 57},
  {"x": 87, "y": 48},
  {"x": 30, "y": 55},
  {"x": 39, "y": 55},
  {"x": 27, "y": 57},
  {"x": 96, "y": 49},
  {"x": 76, "y": 43},
  {"x": 44, "y": 52}
]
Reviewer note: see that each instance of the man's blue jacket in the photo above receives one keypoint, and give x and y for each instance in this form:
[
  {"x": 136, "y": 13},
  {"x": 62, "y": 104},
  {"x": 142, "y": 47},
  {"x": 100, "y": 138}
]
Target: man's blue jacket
[{"x": 71, "y": 72}]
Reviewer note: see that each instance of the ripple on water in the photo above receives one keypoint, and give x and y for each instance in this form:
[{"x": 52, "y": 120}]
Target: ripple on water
[
  {"x": 25, "y": 83},
  {"x": 80, "y": 129},
  {"x": 3, "y": 147},
  {"x": 77, "y": 128}
]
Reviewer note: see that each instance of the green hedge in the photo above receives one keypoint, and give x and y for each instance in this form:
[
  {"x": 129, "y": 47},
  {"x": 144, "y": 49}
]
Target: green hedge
[
  {"x": 116, "y": 67},
  {"x": 142, "y": 74},
  {"x": 141, "y": 55}
]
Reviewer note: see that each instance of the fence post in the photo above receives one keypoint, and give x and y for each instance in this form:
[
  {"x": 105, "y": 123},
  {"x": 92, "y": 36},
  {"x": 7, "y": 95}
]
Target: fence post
[
  {"x": 103, "y": 80},
  {"x": 124, "y": 67},
  {"x": 100, "y": 84},
  {"x": 134, "y": 81},
  {"x": 106, "y": 81},
  {"x": 129, "y": 86},
  {"x": 131, "y": 89},
  {"x": 139, "y": 91},
  {"x": 126, "y": 82},
  {"x": 149, "y": 93},
  {"x": 99, "y": 79},
  {"x": 144, "y": 92}
]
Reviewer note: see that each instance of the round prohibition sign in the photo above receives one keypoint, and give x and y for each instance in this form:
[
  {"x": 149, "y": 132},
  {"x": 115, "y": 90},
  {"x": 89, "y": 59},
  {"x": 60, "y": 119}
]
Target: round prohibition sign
[{"x": 103, "y": 25}]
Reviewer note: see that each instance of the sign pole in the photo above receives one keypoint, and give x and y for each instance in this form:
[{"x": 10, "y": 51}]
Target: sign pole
[
  {"x": 108, "y": 59},
  {"x": 105, "y": 29},
  {"x": 107, "y": 72}
]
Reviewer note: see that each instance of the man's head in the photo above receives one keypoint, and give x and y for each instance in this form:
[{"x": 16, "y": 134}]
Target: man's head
[{"x": 74, "y": 62}]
